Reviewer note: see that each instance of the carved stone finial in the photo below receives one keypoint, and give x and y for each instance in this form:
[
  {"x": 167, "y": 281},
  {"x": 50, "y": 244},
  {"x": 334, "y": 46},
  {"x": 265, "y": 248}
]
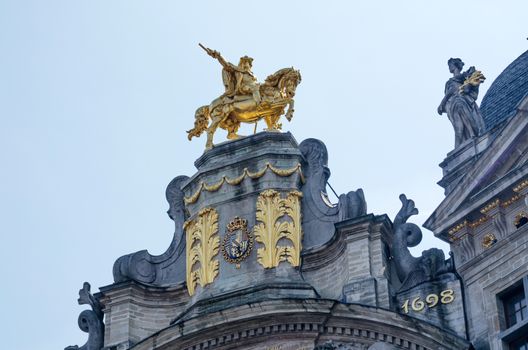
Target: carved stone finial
[
  {"x": 245, "y": 100},
  {"x": 90, "y": 321},
  {"x": 461, "y": 92}
]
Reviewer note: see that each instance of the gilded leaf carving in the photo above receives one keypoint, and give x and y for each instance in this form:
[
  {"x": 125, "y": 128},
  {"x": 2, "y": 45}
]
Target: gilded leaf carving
[
  {"x": 278, "y": 220},
  {"x": 203, "y": 244},
  {"x": 292, "y": 205}
]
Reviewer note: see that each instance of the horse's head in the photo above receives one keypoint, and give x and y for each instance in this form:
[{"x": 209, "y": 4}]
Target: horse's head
[
  {"x": 284, "y": 80},
  {"x": 288, "y": 83}
]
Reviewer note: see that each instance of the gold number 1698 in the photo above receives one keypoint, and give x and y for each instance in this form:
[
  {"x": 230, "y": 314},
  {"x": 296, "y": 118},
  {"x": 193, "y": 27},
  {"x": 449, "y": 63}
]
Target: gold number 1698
[{"x": 446, "y": 297}]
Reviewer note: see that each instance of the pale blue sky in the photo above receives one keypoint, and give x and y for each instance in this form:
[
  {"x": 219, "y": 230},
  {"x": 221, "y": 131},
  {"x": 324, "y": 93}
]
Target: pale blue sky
[{"x": 95, "y": 98}]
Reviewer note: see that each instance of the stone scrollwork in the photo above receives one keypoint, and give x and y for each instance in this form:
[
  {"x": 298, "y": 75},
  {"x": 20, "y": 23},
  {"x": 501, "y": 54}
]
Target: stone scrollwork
[
  {"x": 165, "y": 269},
  {"x": 410, "y": 270},
  {"x": 90, "y": 321},
  {"x": 319, "y": 214},
  {"x": 278, "y": 219},
  {"x": 203, "y": 244}
]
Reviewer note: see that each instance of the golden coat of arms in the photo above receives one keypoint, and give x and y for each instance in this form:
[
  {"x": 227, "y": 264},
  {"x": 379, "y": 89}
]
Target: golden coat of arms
[
  {"x": 245, "y": 100},
  {"x": 238, "y": 242}
]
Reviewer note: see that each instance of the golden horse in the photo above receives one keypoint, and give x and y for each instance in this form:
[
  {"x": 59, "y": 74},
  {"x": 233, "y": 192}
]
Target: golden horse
[{"x": 225, "y": 112}]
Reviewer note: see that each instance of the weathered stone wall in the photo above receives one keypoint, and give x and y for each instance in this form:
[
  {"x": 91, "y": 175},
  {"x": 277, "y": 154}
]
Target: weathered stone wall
[
  {"x": 134, "y": 312},
  {"x": 489, "y": 272},
  {"x": 305, "y": 323},
  {"x": 231, "y": 179},
  {"x": 499, "y": 220},
  {"x": 351, "y": 267},
  {"x": 329, "y": 279}
]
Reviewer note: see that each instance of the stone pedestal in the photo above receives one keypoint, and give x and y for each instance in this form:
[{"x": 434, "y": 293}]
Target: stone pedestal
[
  {"x": 459, "y": 160},
  {"x": 231, "y": 179}
]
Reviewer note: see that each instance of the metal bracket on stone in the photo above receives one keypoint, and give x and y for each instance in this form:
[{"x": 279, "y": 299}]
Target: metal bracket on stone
[{"x": 90, "y": 321}]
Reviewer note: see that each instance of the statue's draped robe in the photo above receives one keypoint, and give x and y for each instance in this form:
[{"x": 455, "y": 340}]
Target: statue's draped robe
[{"x": 462, "y": 110}]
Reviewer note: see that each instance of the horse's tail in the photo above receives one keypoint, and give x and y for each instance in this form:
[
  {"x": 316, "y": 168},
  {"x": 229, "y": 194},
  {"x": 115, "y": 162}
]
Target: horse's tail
[{"x": 200, "y": 123}]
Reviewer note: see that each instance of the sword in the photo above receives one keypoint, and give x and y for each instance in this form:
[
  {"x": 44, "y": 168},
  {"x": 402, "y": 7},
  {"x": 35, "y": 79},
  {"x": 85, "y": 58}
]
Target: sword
[{"x": 208, "y": 50}]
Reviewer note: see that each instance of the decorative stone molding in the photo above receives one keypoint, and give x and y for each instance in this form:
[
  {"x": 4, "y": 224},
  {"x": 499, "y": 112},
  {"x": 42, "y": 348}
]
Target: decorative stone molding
[
  {"x": 488, "y": 240},
  {"x": 301, "y": 322},
  {"x": 491, "y": 205},
  {"x": 491, "y": 211},
  {"x": 215, "y": 186},
  {"x": 477, "y": 223},
  {"x": 459, "y": 231},
  {"x": 521, "y": 186}
]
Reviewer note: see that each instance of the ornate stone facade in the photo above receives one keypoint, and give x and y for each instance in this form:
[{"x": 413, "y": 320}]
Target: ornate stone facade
[{"x": 262, "y": 260}]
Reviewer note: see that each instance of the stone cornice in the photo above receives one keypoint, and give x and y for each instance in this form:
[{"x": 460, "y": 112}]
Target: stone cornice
[
  {"x": 154, "y": 297},
  {"x": 449, "y": 211},
  {"x": 487, "y": 211},
  {"x": 300, "y": 320},
  {"x": 245, "y": 143}
]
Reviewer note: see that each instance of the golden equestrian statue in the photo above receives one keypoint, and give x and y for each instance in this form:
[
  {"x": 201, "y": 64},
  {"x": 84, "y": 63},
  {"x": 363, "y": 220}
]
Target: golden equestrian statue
[{"x": 245, "y": 100}]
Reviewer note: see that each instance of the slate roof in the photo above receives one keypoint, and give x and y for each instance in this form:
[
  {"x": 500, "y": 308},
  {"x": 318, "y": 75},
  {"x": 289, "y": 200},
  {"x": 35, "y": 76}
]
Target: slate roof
[{"x": 506, "y": 92}]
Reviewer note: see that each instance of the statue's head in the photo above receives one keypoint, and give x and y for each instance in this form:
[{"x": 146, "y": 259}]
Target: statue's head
[
  {"x": 245, "y": 62},
  {"x": 455, "y": 64}
]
